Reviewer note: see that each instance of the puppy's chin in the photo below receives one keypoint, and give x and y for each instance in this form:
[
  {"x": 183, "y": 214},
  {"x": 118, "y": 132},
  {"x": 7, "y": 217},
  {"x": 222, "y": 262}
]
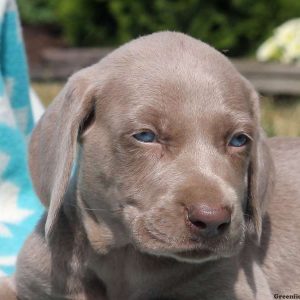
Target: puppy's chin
[
  {"x": 203, "y": 255},
  {"x": 194, "y": 256},
  {"x": 190, "y": 252}
]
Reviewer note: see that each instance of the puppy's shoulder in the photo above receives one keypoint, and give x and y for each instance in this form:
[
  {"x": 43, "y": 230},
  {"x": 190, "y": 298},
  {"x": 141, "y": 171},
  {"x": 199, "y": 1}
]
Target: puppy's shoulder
[
  {"x": 284, "y": 145},
  {"x": 285, "y": 152}
]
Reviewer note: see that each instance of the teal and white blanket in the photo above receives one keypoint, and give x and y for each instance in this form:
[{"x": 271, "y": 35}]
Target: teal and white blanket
[{"x": 19, "y": 207}]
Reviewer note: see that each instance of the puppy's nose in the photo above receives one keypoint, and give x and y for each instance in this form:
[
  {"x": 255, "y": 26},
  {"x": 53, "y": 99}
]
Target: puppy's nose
[{"x": 207, "y": 220}]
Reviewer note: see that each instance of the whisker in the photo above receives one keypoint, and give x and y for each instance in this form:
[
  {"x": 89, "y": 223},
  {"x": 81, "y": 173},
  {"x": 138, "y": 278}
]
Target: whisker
[{"x": 95, "y": 209}]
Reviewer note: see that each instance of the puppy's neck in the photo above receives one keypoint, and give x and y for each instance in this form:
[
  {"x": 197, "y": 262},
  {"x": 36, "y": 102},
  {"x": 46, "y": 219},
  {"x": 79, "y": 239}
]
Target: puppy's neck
[{"x": 130, "y": 274}]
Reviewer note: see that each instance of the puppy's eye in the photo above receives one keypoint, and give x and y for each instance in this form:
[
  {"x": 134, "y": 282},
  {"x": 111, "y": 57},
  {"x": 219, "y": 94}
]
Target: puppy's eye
[
  {"x": 145, "y": 136},
  {"x": 239, "y": 140}
]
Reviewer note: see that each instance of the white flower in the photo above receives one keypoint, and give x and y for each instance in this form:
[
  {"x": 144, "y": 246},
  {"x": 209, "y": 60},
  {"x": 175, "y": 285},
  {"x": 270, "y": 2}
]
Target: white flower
[
  {"x": 292, "y": 52},
  {"x": 287, "y": 32},
  {"x": 268, "y": 50},
  {"x": 284, "y": 45}
]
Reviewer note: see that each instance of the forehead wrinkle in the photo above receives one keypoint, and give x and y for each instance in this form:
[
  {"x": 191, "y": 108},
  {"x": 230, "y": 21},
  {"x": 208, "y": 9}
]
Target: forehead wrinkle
[
  {"x": 241, "y": 120},
  {"x": 215, "y": 90},
  {"x": 160, "y": 105},
  {"x": 204, "y": 97},
  {"x": 213, "y": 106}
]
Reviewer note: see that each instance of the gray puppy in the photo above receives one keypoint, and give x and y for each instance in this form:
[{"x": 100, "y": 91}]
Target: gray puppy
[{"x": 172, "y": 194}]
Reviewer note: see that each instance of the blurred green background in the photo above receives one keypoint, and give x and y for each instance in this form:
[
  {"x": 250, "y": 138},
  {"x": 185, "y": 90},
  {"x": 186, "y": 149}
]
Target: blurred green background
[{"x": 236, "y": 27}]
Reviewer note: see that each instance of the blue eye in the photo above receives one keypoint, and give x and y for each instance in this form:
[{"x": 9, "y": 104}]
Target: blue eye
[
  {"x": 145, "y": 136},
  {"x": 239, "y": 140}
]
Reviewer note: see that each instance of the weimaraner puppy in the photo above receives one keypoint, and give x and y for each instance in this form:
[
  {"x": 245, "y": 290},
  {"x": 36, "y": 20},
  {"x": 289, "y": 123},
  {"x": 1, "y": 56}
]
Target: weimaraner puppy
[{"x": 159, "y": 184}]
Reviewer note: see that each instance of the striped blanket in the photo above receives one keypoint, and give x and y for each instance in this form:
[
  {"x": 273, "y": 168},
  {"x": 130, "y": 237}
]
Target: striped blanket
[{"x": 19, "y": 207}]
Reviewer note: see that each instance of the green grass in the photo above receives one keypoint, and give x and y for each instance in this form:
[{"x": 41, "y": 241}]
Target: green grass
[
  {"x": 47, "y": 91},
  {"x": 279, "y": 116}
]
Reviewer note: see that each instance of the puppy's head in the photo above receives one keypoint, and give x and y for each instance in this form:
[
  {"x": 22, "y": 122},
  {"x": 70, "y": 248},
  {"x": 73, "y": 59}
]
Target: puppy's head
[{"x": 170, "y": 154}]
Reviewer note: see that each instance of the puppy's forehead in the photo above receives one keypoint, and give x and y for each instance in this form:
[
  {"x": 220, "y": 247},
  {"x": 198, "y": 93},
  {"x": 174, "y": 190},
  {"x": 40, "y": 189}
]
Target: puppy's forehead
[{"x": 171, "y": 69}]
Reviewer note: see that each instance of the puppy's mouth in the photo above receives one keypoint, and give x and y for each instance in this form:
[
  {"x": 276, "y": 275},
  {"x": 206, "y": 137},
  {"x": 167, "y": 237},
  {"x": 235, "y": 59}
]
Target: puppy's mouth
[
  {"x": 202, "y": 253},
  {"x": 196, "y": 254},
  {"x": 184, "y": 248}
]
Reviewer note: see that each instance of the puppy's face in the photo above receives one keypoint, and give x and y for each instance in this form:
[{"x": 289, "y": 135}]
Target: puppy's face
[{"x": 164, "y": 166}]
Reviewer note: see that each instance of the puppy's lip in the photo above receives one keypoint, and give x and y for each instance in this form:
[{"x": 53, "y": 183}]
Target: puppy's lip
[
  {"x": 185, "y": 255},
  {"x": 191, "y": 253},
  {"x": 195, "y": 256},
  {"x": 204, "y": 252}
]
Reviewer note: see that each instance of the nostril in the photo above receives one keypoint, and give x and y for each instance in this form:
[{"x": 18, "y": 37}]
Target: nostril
[
  {"x": 222, "y": 227},
  {"x": 199, "y": 224},
  {"x": 208, "y": 220}
]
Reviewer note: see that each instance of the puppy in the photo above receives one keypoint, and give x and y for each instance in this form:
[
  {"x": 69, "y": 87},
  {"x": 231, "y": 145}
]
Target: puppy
[{"x": 160, "y": 184}]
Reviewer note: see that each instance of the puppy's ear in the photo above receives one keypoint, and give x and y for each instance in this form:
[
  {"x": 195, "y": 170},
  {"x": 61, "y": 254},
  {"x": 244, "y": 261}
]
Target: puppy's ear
[
  {"x": 54, "y": 140},
  {"x": 260, "y": 177}
]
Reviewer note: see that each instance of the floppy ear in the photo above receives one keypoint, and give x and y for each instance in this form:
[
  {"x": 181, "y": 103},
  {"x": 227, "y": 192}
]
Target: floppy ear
[
  {"x": 260, "y": 178},
  {"x": 53, "y": 143}
]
